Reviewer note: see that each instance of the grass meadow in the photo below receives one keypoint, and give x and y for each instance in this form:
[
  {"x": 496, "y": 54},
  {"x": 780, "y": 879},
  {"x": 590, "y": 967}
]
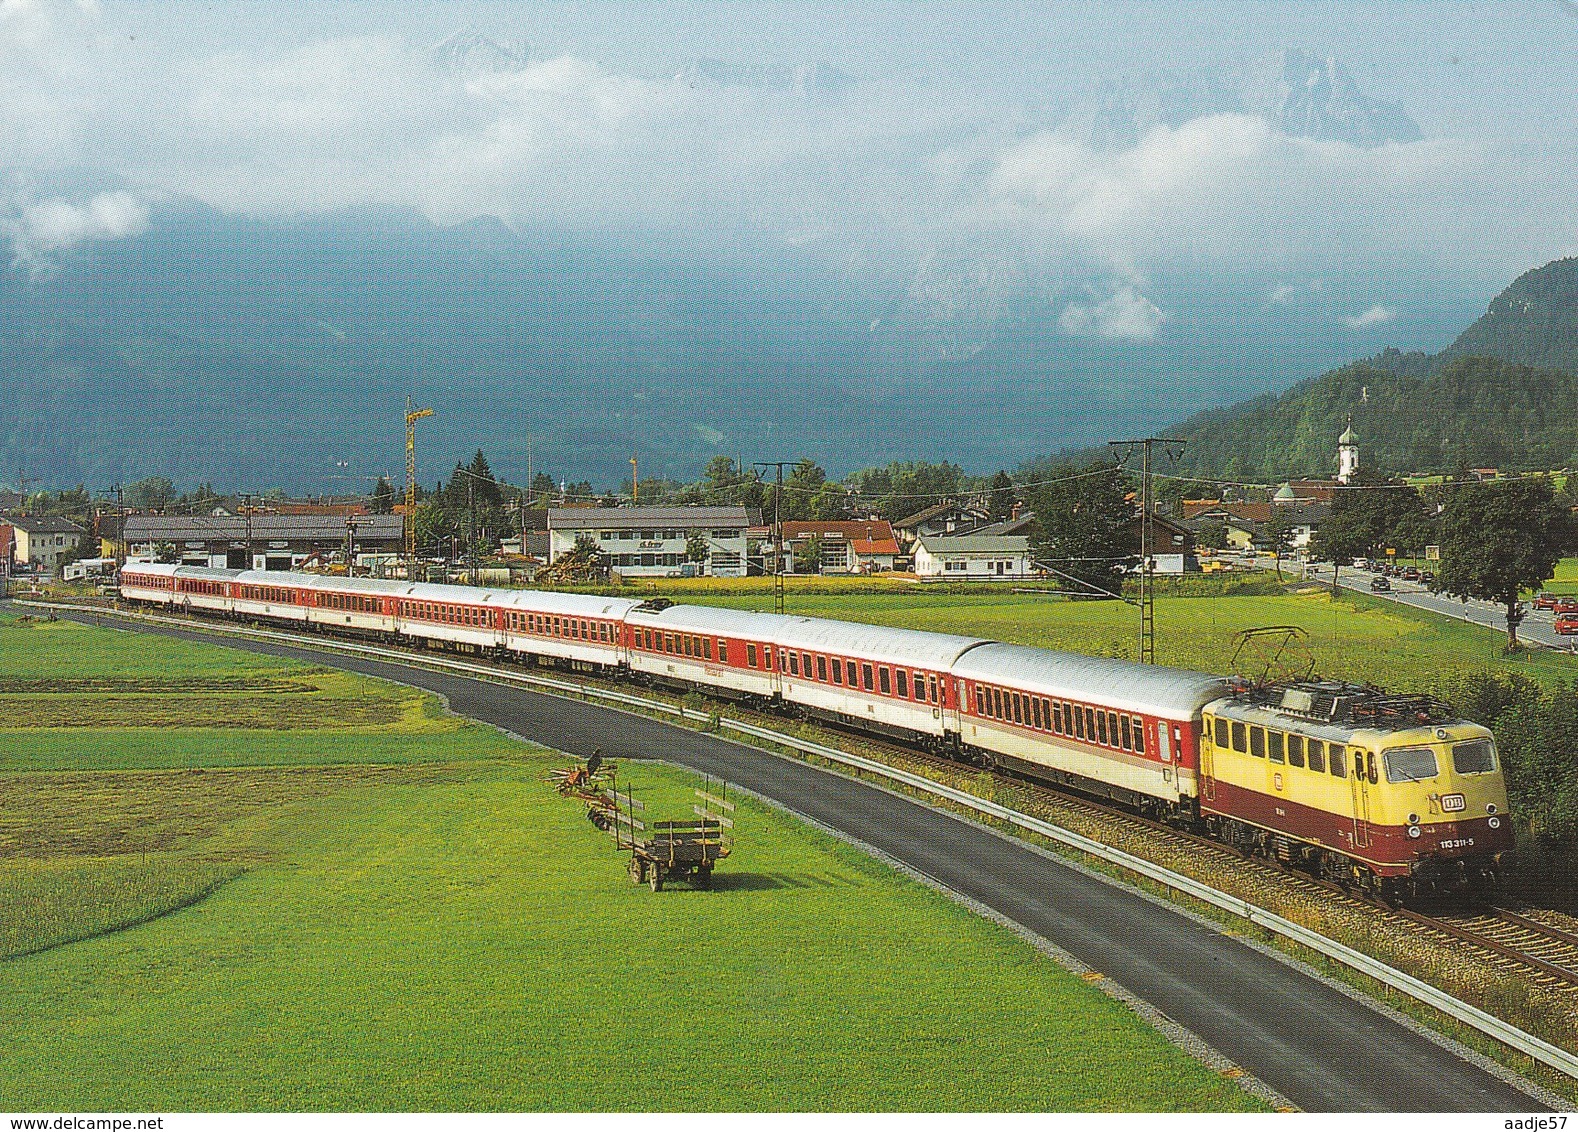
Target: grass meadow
[
  {"x": 364, "y": 903},
  {"x": 1351, "y": 636}
]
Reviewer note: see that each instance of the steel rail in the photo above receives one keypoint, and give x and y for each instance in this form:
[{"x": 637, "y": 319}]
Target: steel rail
[{"x": 1465, "y": 1013}]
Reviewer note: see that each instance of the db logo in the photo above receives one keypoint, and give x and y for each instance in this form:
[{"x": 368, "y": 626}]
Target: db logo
[{"x": 1452, "y": 803}]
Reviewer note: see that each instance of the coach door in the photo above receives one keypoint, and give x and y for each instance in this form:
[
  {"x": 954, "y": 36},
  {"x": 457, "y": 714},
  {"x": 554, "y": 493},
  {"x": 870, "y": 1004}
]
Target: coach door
[{"x": 1359, "y": 761}]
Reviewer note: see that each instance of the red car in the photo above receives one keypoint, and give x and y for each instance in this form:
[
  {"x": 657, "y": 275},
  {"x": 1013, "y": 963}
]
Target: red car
[
  {"x": 1567, "y": 624},
  {"x": 1566, "y": 607},
  {"x": 1544, "y": 600}
]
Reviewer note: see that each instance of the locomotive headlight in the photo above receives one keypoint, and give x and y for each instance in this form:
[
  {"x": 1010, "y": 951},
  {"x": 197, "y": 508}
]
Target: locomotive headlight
[
  {"x": 1413, "y": 819},
  {"x": 1490, "y": 807},
  {"x": 1494, "y": 823},
  {"x": 1413, "y": 831},
  {"x": 1441, "y": 733}
]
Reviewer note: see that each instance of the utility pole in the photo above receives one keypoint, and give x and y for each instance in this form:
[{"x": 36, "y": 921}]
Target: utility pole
[
  {"x": 246, "y": 513},
  {"x": 635, "y": 483},
  {"x": 21, "y": 485},
  {"x": 350, "y": 546},
  {"x": 778, "y": 532},
  {"x": 1123, "y": 449},
  {"x": 471, "y": 523},
  {"x": 411, "y": 417}
]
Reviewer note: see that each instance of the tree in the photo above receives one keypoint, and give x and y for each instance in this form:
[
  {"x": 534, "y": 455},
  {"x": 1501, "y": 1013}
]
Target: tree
[
  {"x": 1278, "y": 534},
  {"x": 1000, "y": 496},
  {"x": 802, "y": 485},
  {"x": 152, "y": 494},
  {"x": 1212, "y": 535},
  {"x": 1085, "y": 525},
  {"x": 1363, "y": 517},
  {"x": 477, "y": 476},
  {"x": 383, "y": 497},
  {"x": 697, "y": 548},
  {"x": 1499, "y": 539},
  {"x": 721, "y": 482},
  {"x": 542, "y": 487},
  {"x": 809, "y": 558}
]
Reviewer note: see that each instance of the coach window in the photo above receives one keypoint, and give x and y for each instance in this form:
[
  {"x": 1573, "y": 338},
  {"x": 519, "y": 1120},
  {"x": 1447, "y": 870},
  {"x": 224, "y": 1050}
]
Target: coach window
[
  {"x": 1057, "y": 718},
  {"x": 1090, "y": 723},
  {"x": 996, "y": 698},
  {"x": 1240, "y": 738},
  {"x": 936, "y": 696},
  {"x": 838, "y": 669},
  {"x": 750, "y": 655},
  {"x": 1257, "y": 742},
  {"x": 980, "y": 700},
  {"x": 1317, "y": 755},
  {"x": 1295, "y": 750},
  {"x": 868, "y": 680},
  {"x": 1139, "y": 735},
  {"x": 1036, "y": 717},
  {"x": 794, "y": 664},
  {"x": 901, "y": 679},
  {"x": 805, "y": 664},
  {"x": 1018, "y": 707},
  {"x": 1101, "y": 728},
  {"x": 1124, "y": 733},
  {"x": 821, "y": 669},
  {"x": 885, "y": 681}
]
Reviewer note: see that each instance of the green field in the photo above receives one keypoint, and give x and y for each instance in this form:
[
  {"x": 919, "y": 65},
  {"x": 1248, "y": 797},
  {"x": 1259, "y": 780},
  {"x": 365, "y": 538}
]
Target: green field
[
  {"x": 382, "y": 907},
  {"x": 1351, "y": 636}
]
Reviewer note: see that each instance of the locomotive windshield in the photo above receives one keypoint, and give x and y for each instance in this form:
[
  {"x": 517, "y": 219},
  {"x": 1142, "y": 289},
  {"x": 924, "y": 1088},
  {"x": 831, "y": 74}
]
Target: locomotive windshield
[
  {"x": 1410, "y": 764},
  {"x": 1477, "y": 757}
]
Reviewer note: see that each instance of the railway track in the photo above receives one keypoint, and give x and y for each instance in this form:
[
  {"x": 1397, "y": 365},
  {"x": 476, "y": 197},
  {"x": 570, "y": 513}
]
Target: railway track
[{"x": 1509, "y": 940}]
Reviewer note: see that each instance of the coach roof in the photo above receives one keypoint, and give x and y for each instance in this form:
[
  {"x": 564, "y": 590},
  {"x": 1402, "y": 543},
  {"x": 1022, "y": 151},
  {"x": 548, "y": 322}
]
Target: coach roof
[
  {"x": 937, "y": 651},
  {"x": 1112, "y": 683}
]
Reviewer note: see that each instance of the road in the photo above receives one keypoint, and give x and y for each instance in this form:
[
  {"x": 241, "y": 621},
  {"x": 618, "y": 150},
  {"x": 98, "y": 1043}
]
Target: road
[
  {"x": 1537, "y": 628},
  {"x": 1310, "y": 1042}
]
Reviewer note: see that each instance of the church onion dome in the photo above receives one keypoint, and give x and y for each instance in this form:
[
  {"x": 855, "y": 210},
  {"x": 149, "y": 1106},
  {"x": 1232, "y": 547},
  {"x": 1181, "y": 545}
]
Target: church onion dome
[{"x": 1347, "y": 436}]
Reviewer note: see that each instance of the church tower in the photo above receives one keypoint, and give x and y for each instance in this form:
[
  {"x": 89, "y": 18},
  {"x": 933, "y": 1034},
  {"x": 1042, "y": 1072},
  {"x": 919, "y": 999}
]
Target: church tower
[{"x": 1347, "y": 455}]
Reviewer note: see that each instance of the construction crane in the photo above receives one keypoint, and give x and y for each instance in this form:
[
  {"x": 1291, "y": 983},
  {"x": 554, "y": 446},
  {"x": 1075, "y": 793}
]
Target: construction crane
[{"x": 411, "y": 417}]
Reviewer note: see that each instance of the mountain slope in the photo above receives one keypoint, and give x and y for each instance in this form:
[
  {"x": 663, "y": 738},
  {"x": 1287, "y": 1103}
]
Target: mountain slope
[{"x": 1504, "y": 394}]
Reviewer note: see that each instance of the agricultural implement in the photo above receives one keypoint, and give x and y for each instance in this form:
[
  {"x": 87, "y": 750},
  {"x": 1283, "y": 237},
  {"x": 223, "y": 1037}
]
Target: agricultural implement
[{"x": 668, "y": 850}]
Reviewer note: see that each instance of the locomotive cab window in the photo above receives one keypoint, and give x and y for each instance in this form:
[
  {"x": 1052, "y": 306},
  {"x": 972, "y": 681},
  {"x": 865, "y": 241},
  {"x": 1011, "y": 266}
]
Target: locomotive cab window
[
  {"x": 1220, "y": 736},
  {"x": 1274, "y": 747},
  {"x": 1295, "y": 750},
  {"x": 1336, "y": 760},
  {"x": 1410, "y": 764},
  {"x": 1240, "y": 738},
  {"x": 1317, "y": 755},
  {"x": 1474, "y": 757},
  {"x": 1257, "y": 742}
]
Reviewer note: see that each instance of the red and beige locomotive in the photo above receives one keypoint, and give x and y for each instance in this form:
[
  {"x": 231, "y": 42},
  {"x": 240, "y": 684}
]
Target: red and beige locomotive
[{"x": 1392, "y": 794}]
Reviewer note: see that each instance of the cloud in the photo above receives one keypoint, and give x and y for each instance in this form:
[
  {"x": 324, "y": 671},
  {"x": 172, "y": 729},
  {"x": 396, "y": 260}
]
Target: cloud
[
  {"x": 873, "y": 177},
  {"x": 1126, "y": 315},
  {"x": 42, "y": 229},
  {"x": 1375, "y": 316}
]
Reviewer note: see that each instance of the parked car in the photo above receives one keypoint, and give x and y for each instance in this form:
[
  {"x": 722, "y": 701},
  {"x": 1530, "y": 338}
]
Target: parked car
[
  {"x": 1567, "y": 624},
  {"x": 1380, "y": 585},
  {"x": 1427, "y": 577},
  {"x": 1546, "y": 600},
  {"x": 1410, "y": 574},
  {"x": 1361, "y": 563}
]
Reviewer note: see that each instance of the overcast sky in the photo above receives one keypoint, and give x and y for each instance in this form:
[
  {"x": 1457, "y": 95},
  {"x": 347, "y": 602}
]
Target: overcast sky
[{"x": 944, "y": 140}]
